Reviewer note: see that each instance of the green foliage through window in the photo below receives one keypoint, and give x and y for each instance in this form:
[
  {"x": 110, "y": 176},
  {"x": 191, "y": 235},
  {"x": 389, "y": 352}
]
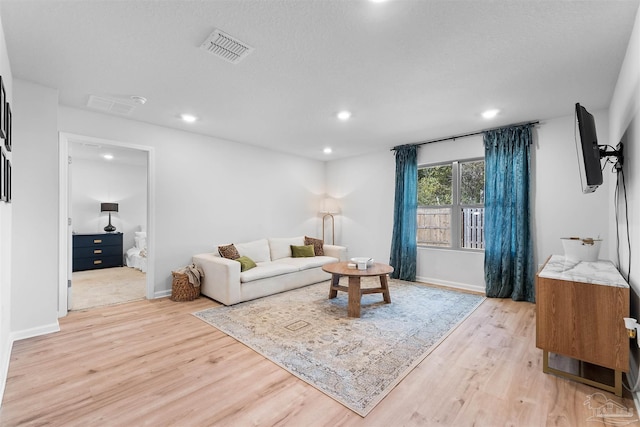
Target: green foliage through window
[
  {"x": 472, "y": 183},
  {"x": 434, "y": 186}
]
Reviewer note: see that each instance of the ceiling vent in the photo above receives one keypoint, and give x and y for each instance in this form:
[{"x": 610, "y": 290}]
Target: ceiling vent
[
  {"x": 226, "y": 47},
  {"x": 109, "y": 105}
]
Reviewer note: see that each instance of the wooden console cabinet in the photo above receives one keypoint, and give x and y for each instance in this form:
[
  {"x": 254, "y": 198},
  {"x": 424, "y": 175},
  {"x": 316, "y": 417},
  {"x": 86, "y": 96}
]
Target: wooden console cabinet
[
  {"x": 100, "y": 250},
  {"x": 580, "y": 308}
]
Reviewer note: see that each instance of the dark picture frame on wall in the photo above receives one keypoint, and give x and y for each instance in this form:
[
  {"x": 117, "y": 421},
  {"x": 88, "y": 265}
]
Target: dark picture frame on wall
[
  {"x": 7, "y": 181},
  {"x": 7, "y": 128},
  {"x": 3, "y": 111},
  {"x": 3, "y": 177}
]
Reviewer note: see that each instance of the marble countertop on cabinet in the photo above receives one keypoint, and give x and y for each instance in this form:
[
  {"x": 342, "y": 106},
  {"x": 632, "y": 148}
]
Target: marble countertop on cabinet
[{"x": 599, "y": 272}]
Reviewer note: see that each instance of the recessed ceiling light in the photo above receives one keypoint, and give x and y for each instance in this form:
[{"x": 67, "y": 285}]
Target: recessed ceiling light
[
  {"x": 377, "y": 1},
  {"x": 108, "y": 156},
  {"x": 344, "y": 115},
  {"x": 327, "y": 150},
  {"x": 189, "y": 118},
  {"x": 490, "y": 114}
]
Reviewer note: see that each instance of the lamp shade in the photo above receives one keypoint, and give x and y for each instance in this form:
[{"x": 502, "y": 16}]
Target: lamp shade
[
  {"x": 108, "y": 207},
  {"x": 329, "y": 205}
]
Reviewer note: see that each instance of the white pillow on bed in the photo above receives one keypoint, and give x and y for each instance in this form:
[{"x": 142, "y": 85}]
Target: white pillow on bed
[{"x": 140, "y": 239}]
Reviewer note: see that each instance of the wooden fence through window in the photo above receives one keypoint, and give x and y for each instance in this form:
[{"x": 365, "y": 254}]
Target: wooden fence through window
[
  {"x": 473, "y": 228},
  {"x": 434, "y": 227}
]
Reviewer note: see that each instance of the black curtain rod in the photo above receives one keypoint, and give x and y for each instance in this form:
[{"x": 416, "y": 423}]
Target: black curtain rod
[{"x": 417, "y": 144}]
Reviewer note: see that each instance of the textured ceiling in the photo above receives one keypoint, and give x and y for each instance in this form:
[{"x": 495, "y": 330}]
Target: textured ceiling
[{"x": 408, "y": 70}]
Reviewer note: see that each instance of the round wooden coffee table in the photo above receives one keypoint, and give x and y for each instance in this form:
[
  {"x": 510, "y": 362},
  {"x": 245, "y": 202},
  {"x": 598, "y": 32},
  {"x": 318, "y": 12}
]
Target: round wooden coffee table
[{"x": 354, "y": 290}]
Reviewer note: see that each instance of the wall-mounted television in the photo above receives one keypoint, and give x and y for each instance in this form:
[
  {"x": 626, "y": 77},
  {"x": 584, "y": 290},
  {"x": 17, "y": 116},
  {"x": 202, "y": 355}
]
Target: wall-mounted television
[
  {"x": 590, "y": 153},
  {"x": 588, "y": 150}
]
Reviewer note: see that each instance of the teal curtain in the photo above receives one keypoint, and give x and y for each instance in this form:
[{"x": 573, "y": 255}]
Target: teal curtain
[
  {"x": 403, "y": 242},
  {"x": 508, "y": 255}
]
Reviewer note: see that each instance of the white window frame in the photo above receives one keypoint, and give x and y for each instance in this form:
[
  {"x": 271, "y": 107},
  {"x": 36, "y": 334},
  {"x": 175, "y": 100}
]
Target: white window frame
[{"x": 456, "y": 207}]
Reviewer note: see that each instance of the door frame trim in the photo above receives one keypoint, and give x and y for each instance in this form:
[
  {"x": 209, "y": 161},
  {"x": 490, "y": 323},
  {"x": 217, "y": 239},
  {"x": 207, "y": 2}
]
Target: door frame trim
[{"x": 63, "y": 251}]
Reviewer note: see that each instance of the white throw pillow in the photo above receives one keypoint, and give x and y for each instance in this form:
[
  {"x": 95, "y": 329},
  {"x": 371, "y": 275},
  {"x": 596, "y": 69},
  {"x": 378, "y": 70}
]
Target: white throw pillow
[
  {"x": 281, "y": 246},
  {"x": 258, "y": 250},
  {"x": 140, "y": 239}
]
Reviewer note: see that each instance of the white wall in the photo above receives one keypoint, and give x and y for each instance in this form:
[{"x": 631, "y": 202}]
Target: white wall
[
  {"x": 211, "y": 191},
  {"x": 5, "y": 236},
  {"x": 624, "y": 114},
  {"x": 96, "y": 181},
  {"x": 34, "y": 289},
  {"x": 365, "y": 187},
  {"x": 560, "y": 207}
]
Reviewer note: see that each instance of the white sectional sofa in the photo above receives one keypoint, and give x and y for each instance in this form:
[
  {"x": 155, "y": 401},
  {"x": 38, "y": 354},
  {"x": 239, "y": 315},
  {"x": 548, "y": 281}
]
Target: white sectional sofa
[{"x": 276, "y": 269}]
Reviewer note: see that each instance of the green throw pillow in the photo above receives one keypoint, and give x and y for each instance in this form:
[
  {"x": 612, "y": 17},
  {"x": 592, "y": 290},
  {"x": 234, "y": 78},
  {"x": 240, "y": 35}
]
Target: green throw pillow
[
  {"x": 302, "y": 251},
  {"x": 246, "y": 263}
]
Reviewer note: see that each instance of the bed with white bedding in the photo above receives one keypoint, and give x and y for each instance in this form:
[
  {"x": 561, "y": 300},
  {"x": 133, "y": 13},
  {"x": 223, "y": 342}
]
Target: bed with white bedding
[{"x": 136, "y": 257}]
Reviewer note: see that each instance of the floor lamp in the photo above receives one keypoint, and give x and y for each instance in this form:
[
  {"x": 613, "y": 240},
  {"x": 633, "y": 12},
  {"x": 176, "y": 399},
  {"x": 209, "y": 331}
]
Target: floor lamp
[{"x": 328, "y": 208}]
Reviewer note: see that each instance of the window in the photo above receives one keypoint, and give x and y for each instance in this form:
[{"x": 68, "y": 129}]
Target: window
[{"x": 451, "y": 205}]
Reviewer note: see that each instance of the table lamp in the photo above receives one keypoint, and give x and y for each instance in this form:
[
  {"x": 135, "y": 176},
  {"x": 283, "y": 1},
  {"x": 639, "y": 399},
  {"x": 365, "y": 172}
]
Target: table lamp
[{"x": 109, "y": 207}]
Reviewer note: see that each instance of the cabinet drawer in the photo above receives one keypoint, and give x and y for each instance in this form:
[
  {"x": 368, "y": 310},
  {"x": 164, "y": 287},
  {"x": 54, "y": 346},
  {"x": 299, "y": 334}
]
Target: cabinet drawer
[
  {"x": 90, "y": 263},
  {"x": 100, "y": 251},
  {"x": 90, "y": 240}
]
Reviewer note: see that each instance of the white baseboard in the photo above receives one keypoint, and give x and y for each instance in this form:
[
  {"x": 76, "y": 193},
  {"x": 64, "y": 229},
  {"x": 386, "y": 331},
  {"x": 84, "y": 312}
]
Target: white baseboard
[
  {"x": 448, "y": 284},
  {"x": 35, "y": 332},
  {"x": 162, "y": 294}
]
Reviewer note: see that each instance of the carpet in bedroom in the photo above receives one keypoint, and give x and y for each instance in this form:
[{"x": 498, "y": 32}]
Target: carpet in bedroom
[
  {"x": 356, "y": 361},
  {"x": 107, "y": 286}
]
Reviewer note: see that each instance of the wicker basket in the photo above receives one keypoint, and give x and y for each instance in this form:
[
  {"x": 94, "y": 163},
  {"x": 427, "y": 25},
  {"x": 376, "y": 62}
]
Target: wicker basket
[{"x": 182, "y": 290}]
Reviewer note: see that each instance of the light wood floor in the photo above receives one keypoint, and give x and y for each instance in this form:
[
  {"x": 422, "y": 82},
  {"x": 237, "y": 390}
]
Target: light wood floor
[{"x": 152, "y": 363}]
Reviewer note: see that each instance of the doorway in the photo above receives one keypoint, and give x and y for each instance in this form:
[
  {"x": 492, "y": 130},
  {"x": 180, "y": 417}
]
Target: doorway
[{"x": 104, "y": 184}]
